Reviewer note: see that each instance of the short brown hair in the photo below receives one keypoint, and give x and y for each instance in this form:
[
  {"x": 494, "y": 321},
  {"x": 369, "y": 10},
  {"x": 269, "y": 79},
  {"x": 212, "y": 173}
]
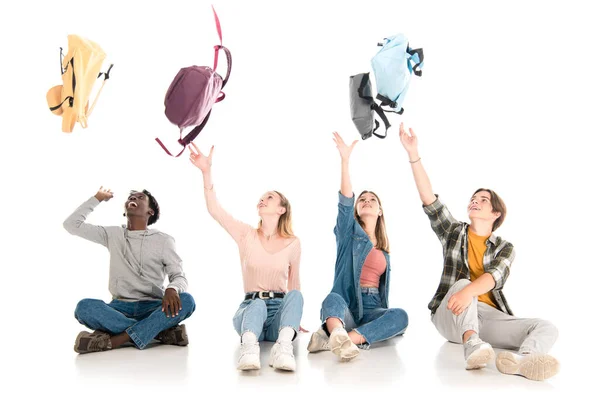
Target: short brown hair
[{"x": 497, "y": 206}]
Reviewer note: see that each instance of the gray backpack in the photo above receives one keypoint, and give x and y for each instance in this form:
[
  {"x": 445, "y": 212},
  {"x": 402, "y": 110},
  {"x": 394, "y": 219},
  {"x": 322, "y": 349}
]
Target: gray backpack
[{"x": 363, "y": 107}]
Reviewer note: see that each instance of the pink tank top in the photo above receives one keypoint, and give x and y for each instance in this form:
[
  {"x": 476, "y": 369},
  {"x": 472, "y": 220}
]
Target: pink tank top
[{"x": 373, "y": 268}]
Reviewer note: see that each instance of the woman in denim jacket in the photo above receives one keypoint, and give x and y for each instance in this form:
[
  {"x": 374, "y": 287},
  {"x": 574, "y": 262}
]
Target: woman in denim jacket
[{"x": 356, "y": 311}]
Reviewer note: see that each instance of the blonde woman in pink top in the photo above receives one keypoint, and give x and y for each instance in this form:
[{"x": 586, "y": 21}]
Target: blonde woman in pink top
[{"x": 270, "y": 258}]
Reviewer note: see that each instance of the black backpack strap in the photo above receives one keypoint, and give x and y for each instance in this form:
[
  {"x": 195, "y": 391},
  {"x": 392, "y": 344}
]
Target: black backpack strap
[
  {"x": 60, "y": 105},
  {"x": 383, "y": 118},
  {"x": 418, "y": 57},
  {"x": 62, "y": 71},
  {"x": 385, "y": 102},
  {"x": 362, "y": 88},
  {"x": 189, "y": 138},
  {"x": 107, "y": 73}
]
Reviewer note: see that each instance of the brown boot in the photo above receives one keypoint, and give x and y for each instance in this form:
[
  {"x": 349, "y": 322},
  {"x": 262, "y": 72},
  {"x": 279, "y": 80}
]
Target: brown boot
[
  {"x": 176, "y": 336},
  {"x": 87, "y": 342}
]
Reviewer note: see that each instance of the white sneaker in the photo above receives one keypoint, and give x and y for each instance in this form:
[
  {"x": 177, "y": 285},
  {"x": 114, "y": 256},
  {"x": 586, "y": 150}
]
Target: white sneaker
[
  {"x": 341, "y": 345},
  {"x": 282, "y": 356},
  {"x": 319, "y": 341},
  {"x": 536, "y": 367},
  {"x": 249, "y": 357},
  {"x": 477, "y": 353}
]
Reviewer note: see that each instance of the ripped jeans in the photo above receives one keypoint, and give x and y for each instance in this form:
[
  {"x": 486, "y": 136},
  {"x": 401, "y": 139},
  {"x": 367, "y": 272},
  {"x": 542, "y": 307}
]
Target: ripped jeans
[{"x": 265, "y": 318}]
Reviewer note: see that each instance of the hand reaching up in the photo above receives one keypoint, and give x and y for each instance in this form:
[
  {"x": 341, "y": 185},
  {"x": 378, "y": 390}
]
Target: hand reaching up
[
  {"x": 409, "y": 142},
  {"x": 200, "y": 160},
  {"x": 343, "y": 148},
  {"x": 104, "y": 194}
]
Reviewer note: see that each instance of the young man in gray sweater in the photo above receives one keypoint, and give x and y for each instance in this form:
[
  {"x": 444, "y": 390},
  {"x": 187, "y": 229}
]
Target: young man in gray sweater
[{"x": 141, "y": 309}]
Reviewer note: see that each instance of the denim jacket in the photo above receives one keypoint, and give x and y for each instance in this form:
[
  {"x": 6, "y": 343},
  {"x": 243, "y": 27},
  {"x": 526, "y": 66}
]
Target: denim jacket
[{"x": 353, "y": 246}]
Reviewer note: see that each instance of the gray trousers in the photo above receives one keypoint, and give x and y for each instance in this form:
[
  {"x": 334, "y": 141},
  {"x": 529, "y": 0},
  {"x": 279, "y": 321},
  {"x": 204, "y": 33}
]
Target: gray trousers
[{"x": 527, "y": 335}]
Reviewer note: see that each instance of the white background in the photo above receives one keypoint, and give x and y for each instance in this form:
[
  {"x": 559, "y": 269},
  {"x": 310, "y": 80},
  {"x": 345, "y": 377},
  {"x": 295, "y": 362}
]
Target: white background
[{"x": 507, "y": 100}]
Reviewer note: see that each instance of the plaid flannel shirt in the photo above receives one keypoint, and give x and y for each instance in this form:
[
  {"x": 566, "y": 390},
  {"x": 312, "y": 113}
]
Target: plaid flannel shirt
[{"x": 497, "y": 259}]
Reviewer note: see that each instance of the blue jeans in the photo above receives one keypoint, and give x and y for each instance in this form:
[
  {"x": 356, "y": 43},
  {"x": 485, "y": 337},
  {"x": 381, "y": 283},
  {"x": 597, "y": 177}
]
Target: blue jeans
[
  {"x": 265, "y": 318},
  {"x": 377, "y": 324},
  {"x": 142, "y": 320}
]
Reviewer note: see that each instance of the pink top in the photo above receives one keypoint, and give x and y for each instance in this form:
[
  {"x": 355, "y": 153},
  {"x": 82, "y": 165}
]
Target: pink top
[
  {"x": 261, "y": 270},
  {"x": 373, "y": 268}
]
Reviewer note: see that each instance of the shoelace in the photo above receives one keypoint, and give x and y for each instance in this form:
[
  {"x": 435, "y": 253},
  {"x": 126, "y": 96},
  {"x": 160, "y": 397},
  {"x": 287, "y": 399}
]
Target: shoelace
[
  {"x": 286, "y": 348},
  {"x": 250, "y": 348},
  {"x": 98, "y": 343},
  {"x": 474, "y": 342}
]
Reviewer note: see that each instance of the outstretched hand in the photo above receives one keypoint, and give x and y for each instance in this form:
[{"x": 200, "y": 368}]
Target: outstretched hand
[
  {"x": 409, "y": 142},
  {"x": 343, "y": 148},
  {"x": 104, "y": 194},
  {"x": 200, "y": 160}
]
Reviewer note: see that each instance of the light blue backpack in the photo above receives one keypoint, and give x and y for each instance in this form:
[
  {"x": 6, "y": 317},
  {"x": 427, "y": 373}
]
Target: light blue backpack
[{"x": 393, "y": 67}]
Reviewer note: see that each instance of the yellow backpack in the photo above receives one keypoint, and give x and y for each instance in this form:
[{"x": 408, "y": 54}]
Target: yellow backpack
[{"x": 80, "y": 69}]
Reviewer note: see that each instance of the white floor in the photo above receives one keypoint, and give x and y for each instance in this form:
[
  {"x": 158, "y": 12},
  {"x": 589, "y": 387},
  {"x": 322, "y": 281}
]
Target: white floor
[{"x": 417, "y": 364}]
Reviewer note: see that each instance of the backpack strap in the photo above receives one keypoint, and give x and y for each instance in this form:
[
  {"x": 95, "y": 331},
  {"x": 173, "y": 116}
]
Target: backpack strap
[
  {"x": 381, "y": 114},
  {"x": 106, "y": 76},
  {"x": 221, "y": 47},
  {"x": 416, "y": 56},
  {"x": 189, "y": 138},
  {"x": 362, "y": 93}
]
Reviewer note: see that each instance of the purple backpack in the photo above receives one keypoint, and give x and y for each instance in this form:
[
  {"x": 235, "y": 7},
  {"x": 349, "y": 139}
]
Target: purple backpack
[{"x": 192, "y": 93}]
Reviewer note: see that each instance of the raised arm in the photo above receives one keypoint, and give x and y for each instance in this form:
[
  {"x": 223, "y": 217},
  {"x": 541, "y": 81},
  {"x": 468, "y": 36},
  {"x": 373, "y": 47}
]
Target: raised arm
[
  {"x": 345, "y": 218},
  {"x": 345, "y": 151},
  {"x": 409, "y": 142},
  {"x": 75, "y": 224},
  {"x": 235, "y": 228}
]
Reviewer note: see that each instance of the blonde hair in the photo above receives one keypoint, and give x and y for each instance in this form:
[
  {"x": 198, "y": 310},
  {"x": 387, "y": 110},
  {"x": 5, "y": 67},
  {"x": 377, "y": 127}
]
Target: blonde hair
[
  {"x": 380, "y": 231},
  {"x": 284, "y": 225}
]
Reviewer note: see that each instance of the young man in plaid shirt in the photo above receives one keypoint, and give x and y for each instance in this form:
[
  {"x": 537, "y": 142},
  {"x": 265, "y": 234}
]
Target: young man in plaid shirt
[{"x": 468, "y": 306}]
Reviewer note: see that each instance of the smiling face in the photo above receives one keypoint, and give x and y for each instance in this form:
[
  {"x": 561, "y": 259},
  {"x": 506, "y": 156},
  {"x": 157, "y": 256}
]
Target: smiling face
[
  {"x": 270, "y": 204},
  {"x": 137, "y": 205},
  {"x": 368, "y": 205},
  {"x": 480, "y": 207}
]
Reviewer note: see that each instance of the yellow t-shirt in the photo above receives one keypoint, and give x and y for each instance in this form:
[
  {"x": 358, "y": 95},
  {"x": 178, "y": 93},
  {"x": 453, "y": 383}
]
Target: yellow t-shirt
[{"x": 476, "y": 251}]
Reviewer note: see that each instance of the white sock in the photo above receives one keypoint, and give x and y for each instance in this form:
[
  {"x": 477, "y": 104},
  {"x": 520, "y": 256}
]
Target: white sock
[
  {"x": 340, "y": 330},
  {"x": 249, "y": 337},
  {"x": 286, "y": 334}
]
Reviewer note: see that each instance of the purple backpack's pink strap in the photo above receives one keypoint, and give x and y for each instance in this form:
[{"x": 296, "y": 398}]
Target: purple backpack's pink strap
[
  {"x": 167, "y": 151},
  {"x": 221, "y": 47},
  {"x": 220, "y": 39}
]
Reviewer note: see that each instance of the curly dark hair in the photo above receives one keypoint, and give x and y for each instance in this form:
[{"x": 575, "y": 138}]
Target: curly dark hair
[{"x": 153, "y": 205}]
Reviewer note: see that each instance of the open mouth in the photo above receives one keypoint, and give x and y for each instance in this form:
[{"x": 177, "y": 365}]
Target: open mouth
[
  {"x": 132, "y": 204},
  {"x": 474, "y": 209}
]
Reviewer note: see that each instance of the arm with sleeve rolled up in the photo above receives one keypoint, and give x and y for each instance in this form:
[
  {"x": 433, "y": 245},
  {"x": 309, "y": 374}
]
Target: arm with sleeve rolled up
[
  {"x": 410, "y": 144},
  {"x": 494, "y": 278},
  {"x": 345, "y": 217}
]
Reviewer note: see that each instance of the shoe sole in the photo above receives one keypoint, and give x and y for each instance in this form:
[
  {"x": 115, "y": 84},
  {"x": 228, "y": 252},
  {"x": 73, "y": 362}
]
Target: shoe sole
[
  {"x": 283, "y": 367},
  {"x": 312, "y": 345},
  {"x": 248, "y": 367},
  {"x": 534, "y": 367},
  {"x": 480, "y": 358}
]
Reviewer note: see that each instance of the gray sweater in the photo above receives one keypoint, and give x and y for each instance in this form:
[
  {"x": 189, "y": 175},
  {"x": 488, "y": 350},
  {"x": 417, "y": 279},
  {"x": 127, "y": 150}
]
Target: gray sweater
[{"x": 139, "y": 260}]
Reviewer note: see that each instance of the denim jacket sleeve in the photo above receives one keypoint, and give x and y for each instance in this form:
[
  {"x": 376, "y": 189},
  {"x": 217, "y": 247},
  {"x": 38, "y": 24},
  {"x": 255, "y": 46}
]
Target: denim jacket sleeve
[
  {"x": 500, "y": 265},
  {"x": 345, "y": 217},
  {"x": 442, "y": 222}
]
